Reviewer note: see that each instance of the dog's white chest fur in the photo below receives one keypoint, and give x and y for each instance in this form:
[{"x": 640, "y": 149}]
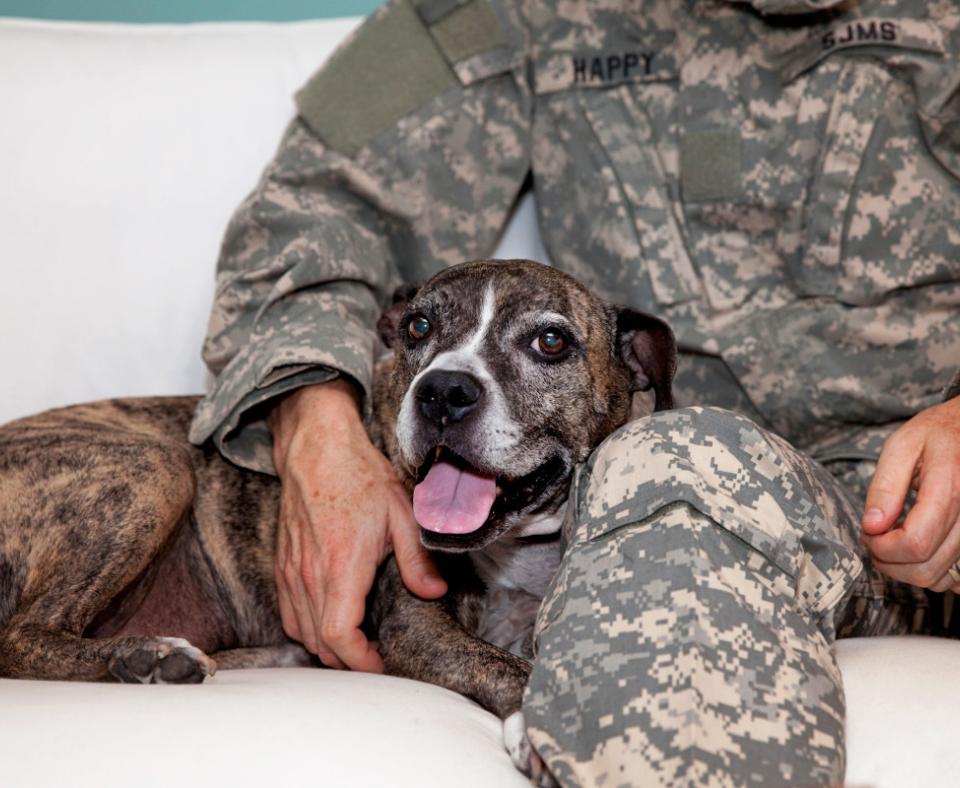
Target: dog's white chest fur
[{"x": 517, "y": 575}]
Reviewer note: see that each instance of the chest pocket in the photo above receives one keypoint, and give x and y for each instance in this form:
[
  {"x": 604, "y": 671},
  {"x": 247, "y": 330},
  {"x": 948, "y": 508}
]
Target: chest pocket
[
  {"x": 624, "y": 130},
  {"x": 881, "y": 212},
  {"x": 622, "y": 96}
]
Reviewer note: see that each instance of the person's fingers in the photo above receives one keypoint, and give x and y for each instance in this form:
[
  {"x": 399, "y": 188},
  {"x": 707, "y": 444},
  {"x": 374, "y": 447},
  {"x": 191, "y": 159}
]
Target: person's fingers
[
  {"x": 929, "y": 522},
  {"x": 297, "y": 617},
  {"x": 891, "y": 484},
  {"x": 346, "y": 589},
  {"x": 298, "y": 612},
  {"x": 304, "y": 609},
  {"x": 310, "y": 596},
  {"x": 329, "y": 659},
  {"x": 359, "y": 653},
  {"x": 933, "y": 573},
  {"x": 928, "y": 545},
  {"x": 288, "y": 616},
  {"x": 945, "y": 583},
  {"x": 417, "y": 568}
]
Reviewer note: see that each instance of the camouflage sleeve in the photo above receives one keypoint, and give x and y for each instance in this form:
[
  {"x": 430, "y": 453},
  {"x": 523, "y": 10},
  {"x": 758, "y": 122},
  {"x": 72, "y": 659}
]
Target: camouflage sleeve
[
  {"x": 937, "y": 84},
  {"x": 408, "y": 151},
  {"x": 938, "y": 94}
]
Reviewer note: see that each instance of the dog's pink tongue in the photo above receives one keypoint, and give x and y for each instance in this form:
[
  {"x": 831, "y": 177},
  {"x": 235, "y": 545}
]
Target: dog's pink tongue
[{"x": 451, "y": 500}]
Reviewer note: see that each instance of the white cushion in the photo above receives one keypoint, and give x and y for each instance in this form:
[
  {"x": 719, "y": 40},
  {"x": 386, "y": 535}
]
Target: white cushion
[
  {"x": 903, "y": 699},
  {"x": 315, "y": 727},
  {"x": 123, "y": 152},
  {"x": 257, "y": 728}
]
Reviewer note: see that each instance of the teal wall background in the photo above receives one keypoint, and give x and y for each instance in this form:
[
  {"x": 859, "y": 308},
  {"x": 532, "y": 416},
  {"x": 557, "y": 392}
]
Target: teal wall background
[{"x": 185, "y": 10}]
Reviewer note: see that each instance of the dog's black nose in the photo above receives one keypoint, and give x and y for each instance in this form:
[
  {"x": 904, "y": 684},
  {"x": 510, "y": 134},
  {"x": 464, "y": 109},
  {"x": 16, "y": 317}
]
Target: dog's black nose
[{"x": 445, "y": 396}]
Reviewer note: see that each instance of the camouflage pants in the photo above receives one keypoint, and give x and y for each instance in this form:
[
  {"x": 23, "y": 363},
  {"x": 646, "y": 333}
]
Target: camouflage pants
[{"x": 687, "y": 636}]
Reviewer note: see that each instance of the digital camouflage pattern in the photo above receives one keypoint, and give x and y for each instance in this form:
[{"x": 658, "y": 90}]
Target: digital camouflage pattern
[
  {"x": 814, "y": 290},
  {"x": 780, "y": 181},
  {"x": 686, "y": 638}
]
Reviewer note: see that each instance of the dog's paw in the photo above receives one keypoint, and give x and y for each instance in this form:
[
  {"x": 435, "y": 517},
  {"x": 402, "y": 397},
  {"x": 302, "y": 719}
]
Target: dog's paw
[
  {"x": 522, "y": 754},
  {"x": 161, "y": 661}
]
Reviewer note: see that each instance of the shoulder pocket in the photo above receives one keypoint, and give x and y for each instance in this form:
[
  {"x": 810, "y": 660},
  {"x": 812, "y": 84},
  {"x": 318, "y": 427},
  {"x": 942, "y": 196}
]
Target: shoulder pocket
[
  {"x": 880, "y": 209},
  {"x": 402, "y": 57}
]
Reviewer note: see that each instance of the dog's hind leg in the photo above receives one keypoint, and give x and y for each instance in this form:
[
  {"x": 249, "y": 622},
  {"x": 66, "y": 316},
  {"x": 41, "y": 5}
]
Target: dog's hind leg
[
  {"x": 29, "y": 652},
  {"x": 83, "y": 519}
]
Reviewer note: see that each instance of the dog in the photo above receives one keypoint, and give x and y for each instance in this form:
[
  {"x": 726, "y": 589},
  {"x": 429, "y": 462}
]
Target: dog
[{"x": 128, "y": 554}]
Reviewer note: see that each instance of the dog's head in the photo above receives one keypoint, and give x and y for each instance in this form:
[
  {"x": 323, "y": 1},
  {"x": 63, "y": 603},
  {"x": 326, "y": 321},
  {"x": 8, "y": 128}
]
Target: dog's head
[{"x": 506, "y": 375}]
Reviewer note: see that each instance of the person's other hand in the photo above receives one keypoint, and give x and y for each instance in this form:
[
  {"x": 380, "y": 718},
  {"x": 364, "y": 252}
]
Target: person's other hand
[
  {"x": 342, "y": 510},
  {"x": 923, "y": 455}
]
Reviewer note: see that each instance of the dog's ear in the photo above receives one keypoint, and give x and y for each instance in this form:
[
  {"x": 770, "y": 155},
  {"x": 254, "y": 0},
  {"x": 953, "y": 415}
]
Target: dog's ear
[
  {"x": 648, "y": 348},
  {"x": 389, "y": 323}
]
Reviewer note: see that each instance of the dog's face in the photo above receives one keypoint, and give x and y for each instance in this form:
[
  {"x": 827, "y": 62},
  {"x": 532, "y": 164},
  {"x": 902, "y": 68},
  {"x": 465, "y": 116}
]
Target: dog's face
[{"x": 506, "y": 375}]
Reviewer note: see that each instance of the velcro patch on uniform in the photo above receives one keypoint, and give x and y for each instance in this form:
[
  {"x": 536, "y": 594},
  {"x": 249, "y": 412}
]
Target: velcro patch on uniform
[
  {"x": 710, "y": 165},
  {"x": 467, "y": 30},
  {"x": 389, "y": 69},
  {"x": 916, "y": 34}
]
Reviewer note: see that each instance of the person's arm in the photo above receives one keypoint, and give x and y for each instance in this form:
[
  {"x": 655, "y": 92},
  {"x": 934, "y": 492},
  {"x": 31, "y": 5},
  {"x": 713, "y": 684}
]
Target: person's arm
[{"x": 408, "y": 152}]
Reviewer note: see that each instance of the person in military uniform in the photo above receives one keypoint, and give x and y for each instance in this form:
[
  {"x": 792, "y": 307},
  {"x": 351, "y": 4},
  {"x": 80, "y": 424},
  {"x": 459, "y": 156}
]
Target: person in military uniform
[{"x": 780, "y": 181}]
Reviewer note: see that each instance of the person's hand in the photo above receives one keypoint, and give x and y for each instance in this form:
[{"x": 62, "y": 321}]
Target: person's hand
[
  {"x": 342, "y": 510},
  {"x": 924, "y": 455}
]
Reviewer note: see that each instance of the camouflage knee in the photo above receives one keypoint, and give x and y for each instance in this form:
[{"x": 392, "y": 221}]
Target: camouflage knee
[
  {"x": 699, "y": 557},
  {"x": 752, "y": 483}
]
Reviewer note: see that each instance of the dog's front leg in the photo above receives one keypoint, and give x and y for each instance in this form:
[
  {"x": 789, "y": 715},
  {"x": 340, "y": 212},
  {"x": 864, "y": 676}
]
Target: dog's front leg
[
  {"x": 424, "y": 640},
  {"x": 427, "y": 640}
]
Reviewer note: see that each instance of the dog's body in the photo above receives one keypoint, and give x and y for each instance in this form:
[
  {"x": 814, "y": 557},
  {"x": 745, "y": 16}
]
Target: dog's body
[
  {"x": 114, "y": 528},
  {"x": 127, "y": 552}
]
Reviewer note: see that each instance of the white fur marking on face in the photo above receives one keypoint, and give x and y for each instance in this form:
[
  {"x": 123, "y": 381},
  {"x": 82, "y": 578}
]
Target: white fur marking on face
[
  {"x": 467, "y": 356},
  {"x": 487, "y": 312},
  {"x": 501, "y": 433}
]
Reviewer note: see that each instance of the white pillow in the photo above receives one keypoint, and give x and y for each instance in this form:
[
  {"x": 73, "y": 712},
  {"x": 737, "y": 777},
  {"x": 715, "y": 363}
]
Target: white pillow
[
  {"x": 256, "y": 728},
  {"x": 124, "y": 150}
]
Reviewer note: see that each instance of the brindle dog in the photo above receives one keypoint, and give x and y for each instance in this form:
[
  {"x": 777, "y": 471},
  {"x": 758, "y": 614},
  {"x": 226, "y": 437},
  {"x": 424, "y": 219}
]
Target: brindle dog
[{"x": 126, "y": 553}]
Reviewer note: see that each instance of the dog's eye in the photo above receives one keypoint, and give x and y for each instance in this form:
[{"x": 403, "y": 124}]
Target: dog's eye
[
  {"x": 419, "y": 327},
  {"x": 550, "y": 343}
]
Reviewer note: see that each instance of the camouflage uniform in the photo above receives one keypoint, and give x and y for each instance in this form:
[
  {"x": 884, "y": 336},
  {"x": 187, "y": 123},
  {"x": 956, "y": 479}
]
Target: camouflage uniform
[{"x": 776, "y": 178}]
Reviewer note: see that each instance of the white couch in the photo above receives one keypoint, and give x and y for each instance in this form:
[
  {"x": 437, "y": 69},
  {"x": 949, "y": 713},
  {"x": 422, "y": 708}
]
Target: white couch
[{"x": 123, "y": 151}]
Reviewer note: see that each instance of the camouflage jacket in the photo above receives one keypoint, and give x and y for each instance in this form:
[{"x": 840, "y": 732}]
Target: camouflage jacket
[{"x": 779, "y": 179}]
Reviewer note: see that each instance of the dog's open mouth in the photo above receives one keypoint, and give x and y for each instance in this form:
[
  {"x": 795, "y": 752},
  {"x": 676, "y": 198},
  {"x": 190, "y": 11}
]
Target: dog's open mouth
[{"x": 453, "y": 497}]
